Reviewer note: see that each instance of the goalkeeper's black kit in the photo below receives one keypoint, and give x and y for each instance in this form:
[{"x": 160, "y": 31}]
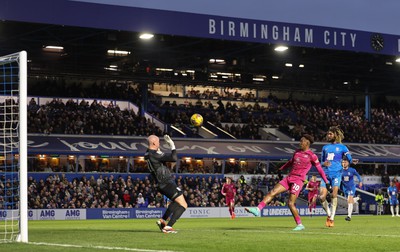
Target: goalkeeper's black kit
[{"x": 156, "y": 160}]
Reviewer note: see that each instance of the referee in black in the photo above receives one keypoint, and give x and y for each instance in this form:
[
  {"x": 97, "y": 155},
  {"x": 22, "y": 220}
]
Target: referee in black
[{"x": 156, "y": 159}]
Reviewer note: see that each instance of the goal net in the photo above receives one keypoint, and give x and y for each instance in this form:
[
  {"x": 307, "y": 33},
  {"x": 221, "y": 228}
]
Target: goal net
[{"x": 13, "y": 156}]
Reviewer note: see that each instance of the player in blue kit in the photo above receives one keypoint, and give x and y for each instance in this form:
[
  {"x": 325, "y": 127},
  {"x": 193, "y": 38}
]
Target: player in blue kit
[
  {"x": 349, "y": 186},
  {"x": 394, "y": 202},
  {"x": 331, "y": 160}
]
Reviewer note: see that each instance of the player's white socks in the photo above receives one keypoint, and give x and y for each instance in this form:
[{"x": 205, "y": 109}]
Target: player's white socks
[
  {"x": 397, "y": 210},
  {"x": 334, "y": 205},
  {"x": 392, "y": 210},
  {"x": 350, "y": 209},
  {"x": 356, "y": 199},
  {"x": 325, "y": 205}
]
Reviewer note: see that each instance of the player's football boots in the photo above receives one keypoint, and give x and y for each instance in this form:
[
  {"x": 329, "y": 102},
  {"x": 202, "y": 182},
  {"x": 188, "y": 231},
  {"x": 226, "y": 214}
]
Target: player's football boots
[
  {"x": 169, "y": 230},
  {"x": 299, "y": 227},
  {"x": 253, "y": 210},
  {"x": 161, "y": 224}
]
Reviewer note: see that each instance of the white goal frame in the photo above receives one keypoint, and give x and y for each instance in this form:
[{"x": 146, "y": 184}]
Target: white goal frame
[{"x": 22, "y": 211}]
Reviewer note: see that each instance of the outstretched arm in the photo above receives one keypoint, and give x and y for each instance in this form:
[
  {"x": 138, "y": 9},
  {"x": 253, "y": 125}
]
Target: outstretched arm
[{"x": 288, "y": 164}]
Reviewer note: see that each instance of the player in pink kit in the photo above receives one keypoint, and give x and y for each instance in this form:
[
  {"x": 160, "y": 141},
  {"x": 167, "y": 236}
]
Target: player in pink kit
[
  {"x": 301, "y": 162},
  {"x": 229, "y": 191},
  {"x": 312, "y": 188}
]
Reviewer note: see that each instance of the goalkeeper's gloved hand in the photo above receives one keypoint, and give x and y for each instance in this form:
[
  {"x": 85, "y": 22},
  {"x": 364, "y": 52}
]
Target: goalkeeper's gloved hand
[
  {"x": 329, "y": 187},
  {"x": 169, "y": 142}
]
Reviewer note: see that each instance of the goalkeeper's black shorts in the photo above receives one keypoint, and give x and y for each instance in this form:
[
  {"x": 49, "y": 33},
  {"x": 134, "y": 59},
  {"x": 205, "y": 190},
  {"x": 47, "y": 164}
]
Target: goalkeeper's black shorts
[{"x": 171, "y": 190}]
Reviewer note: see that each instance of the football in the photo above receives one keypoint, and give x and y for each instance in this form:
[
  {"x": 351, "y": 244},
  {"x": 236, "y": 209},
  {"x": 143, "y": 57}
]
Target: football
[{"x": 196, "y": 120}]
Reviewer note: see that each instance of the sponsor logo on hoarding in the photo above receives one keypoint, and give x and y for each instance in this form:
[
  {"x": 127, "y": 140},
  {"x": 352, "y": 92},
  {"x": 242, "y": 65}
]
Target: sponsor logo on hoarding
[
  {"x": 116, "y": 214},
  {"x": 199, "y": 212},
  {"x": 47, "y": 215},
  {"x": 3, "y": 214},
  {"x": 146, "y": 214},
  {"x": 73, "y": 214},
  {"x": 285, "y": 211}
]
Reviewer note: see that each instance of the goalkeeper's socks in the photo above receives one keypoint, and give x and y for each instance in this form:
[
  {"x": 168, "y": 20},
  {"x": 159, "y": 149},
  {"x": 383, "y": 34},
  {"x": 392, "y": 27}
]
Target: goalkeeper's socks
[
  {"x": 176, "y": 215},
  {"x": 171, "y": 208}
]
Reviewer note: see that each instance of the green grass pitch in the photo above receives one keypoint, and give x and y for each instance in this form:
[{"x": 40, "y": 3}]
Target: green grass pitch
[{"x": 363, "y": 233}]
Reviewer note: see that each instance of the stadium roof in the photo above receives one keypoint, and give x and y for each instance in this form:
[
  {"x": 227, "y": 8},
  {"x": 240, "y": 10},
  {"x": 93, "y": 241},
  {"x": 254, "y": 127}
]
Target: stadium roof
[{"x": 84, "y": 55}]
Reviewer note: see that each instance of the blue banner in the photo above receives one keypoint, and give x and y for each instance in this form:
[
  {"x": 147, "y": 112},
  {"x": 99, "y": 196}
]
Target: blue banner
[
  {"x": 149, "y": 213},
  {"x": 139, "y": 19},
  {"x": 211, "y": 148},
  {"x": 124, "y": 213},
  {"x": 285, "y": 211}
]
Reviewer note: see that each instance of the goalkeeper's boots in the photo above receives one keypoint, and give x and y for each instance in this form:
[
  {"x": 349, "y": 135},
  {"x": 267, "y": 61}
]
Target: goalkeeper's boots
[
  {"x": 253, "y": 210},
  {"x": 161, "y": 224},
  {"x": 169, "y": 230}
]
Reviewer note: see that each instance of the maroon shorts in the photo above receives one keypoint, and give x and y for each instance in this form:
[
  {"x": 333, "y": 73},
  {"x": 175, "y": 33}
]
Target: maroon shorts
[
  {"x": 228, "y": 201},
  {"x": 311, "y": 195}
]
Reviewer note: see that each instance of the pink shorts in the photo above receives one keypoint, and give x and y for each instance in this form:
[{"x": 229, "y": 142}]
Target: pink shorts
[{"x": 293, "y": 184}]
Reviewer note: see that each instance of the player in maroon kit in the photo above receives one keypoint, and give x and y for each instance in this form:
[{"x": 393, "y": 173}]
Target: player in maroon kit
[
  {"x": 301, "y": 162},
  {"x": 229, "y": 191},
  {"x": 312, "y": 188}
]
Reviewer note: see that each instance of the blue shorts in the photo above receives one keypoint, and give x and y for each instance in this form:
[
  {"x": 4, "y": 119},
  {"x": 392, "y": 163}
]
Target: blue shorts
[
  {"x": 334, "y": 178},
  {"x": 349, "y": 191},
  {"x": 393, "y": 201}
]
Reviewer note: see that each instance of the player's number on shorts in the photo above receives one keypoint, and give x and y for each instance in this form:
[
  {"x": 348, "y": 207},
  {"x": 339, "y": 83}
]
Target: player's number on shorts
[{"x": 296, "y": 187}]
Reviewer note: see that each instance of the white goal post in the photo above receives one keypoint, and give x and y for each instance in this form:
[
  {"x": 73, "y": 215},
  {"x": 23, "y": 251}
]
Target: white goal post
[{"x": 14, "y": 149}]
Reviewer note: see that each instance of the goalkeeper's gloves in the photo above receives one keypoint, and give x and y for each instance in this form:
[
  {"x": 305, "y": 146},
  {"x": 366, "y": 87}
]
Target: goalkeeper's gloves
[
  {"x": 169, "y": 142},
  {"x": 329, "y": 187}
]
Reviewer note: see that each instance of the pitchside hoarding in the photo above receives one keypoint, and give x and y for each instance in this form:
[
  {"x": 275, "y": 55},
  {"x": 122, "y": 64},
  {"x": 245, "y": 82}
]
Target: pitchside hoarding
[{"x": 148, "y": 213}]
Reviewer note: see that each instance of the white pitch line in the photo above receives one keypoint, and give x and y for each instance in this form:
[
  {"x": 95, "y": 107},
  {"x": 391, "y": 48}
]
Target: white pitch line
[
  {"x": 97, "y": 247},
  {"x": 302, "y": 232}
]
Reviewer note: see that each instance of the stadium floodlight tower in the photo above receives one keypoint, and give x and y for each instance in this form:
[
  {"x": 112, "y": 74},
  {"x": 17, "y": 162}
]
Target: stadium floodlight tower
[{"x": 14, "y": 149}]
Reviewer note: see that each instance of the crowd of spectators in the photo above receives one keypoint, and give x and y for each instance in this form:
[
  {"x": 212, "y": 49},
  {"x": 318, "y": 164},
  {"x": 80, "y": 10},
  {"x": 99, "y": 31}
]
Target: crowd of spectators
[
  {"x": 107, "y": 191},
  {"x": 106, "y": 90},
  {"x": 237, "y": 117},
  {"x": 226, "y": 94},
  {"x": 240, "y": 119},
  {"x": 88, "y": 119},
  {"x": 383, "y": 126},
  {"x": 292, "y": 117}
]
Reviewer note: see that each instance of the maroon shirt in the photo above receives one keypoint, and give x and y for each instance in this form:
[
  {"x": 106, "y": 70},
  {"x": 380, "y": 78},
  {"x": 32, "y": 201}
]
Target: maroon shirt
[{"x": 229, "y": 190}]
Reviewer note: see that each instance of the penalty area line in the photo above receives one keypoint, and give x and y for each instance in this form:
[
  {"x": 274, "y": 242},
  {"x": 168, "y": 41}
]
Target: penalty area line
[{"x": 96, "y": 247}]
